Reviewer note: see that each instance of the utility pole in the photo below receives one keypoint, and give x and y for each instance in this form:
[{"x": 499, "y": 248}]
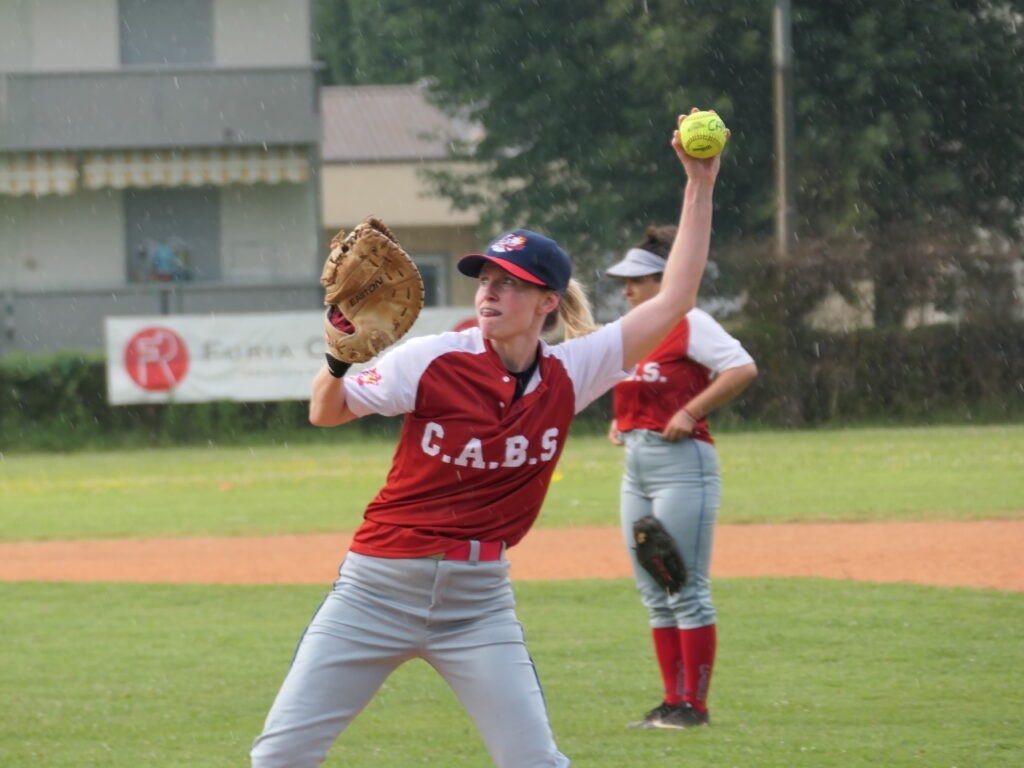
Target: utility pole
[{"x": 782, "y": 55}]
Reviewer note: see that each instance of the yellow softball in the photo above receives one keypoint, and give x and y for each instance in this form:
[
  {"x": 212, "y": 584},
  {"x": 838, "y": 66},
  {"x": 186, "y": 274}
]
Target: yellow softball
[{"x": 702, "y": 134}]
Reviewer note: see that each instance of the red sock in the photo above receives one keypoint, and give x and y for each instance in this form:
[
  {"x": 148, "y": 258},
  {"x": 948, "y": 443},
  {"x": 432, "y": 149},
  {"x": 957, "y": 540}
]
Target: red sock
[
  {"x": 698, "y": 647},
  {"x": 669, "y": 650}
]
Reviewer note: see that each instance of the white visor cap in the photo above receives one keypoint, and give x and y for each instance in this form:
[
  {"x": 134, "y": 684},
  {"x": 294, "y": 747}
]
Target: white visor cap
[{"x": 637, "y": 263}]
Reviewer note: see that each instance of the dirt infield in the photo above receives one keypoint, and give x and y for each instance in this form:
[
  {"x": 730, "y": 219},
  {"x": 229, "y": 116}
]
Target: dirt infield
[{"x": 984, "y": 554}]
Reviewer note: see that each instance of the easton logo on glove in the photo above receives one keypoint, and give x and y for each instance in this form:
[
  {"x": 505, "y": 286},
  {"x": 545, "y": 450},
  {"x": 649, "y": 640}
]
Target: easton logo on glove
[
  {"x": 373, "y": 292},
  {"x": 657, "y": 554}
]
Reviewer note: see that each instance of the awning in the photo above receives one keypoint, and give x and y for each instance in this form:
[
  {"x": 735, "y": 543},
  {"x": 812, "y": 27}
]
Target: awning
[
  {"x": 195, "y": 167},
  {"x": 37, "y": 173}
]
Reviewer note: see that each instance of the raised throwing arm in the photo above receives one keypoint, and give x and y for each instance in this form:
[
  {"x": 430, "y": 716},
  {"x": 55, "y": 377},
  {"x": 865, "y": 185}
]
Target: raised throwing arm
[{"x": 645, "y": 325}]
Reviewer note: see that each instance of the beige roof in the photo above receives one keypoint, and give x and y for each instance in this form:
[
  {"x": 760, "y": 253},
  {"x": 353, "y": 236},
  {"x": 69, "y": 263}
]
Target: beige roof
[{"x": 382, "y": 123}]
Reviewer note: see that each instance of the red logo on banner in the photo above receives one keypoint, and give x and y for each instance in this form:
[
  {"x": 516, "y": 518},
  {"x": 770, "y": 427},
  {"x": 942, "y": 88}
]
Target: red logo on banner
[{"x": 156, "y": 358}]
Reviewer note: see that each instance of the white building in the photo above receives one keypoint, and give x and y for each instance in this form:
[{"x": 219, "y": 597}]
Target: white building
[{"x": 184, "y": 130}]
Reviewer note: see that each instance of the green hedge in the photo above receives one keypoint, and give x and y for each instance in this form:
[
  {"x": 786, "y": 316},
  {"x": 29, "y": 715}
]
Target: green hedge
[
  {"x": 60, "y": 403},
  {"x": 939, "y": 373},
  {"x": 929, "y": 375}
]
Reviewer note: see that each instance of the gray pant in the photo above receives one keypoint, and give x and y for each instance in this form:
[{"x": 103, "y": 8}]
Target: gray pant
[
  {"x": 680, "y": 484},
  {"x": 458, "y": 616}
]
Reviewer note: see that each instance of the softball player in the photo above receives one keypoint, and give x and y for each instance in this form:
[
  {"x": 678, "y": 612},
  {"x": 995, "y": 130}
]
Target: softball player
[
  {"x": 672, "y": 472},
  {"x": 486, "y": 415}
]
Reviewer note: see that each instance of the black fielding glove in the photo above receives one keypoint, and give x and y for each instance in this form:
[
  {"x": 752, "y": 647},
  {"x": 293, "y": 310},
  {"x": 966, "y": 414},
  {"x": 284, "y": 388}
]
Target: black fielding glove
[{"x": 657, "y": 554}]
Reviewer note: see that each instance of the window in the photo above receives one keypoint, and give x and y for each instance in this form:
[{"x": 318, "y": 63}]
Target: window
[
  {"x": 172, "y": 234},
  {"x": 160, "y": 32},
  {"x": 432, "y": 267}
]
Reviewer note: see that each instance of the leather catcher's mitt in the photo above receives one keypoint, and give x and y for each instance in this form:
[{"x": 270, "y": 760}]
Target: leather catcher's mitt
[
  {"x": 373, "y": 292},
  {"x": 657, "y": 553}
]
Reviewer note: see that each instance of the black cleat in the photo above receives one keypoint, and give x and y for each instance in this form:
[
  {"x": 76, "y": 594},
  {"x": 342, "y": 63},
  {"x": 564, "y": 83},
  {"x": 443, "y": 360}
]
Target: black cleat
[
  {"x": 682, "y": 715},
  {"x": 655, "y": 714}
]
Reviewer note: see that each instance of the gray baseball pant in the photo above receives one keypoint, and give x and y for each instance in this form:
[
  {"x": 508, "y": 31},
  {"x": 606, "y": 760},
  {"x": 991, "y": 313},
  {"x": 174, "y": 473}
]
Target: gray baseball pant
[
  {"x": 680, "y": 484},
  {"x": 459, "y": 616}
]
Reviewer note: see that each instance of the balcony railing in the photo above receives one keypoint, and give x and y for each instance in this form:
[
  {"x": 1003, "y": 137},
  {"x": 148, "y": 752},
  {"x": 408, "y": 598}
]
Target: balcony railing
[
  {"x": 142, "y": 107},
  {"x": 47, "y": 321}
]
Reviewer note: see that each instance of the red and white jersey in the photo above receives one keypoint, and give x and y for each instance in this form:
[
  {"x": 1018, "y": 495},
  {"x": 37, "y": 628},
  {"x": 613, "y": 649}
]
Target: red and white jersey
[
  {"x": 678, "y": 369},
  {"x": 470, "y": 463}
]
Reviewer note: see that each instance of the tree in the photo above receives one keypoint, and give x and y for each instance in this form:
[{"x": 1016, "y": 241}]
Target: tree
[
  {"x": 907, "y": 122},
  {"x": 368, "y": 42},
  {"x": 578, "y": 101}
]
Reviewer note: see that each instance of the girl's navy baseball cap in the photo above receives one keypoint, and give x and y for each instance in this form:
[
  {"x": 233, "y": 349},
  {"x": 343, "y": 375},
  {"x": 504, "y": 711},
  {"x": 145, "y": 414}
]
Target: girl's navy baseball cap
[{"x": 528, "y": 256}]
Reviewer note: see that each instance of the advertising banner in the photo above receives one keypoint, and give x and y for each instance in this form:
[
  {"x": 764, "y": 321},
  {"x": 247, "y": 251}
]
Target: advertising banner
[{"x": 251, "y": 357}]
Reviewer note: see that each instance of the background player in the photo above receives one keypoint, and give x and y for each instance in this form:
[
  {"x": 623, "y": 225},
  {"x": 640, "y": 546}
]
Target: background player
[
  {"x": 672, "y": 472},
  {"x": 487, "y": 412}
]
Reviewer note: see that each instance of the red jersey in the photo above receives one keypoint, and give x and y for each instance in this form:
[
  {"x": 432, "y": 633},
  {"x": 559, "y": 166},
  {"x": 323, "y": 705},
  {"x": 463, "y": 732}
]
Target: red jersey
[
  {"x": 678, "y": 369},
  {"x": 470, "y": 463}
]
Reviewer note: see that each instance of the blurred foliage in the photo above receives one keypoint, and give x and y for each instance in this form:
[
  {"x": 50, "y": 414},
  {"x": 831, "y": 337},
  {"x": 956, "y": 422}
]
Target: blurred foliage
[
  {"x": 578, "y": 101},
  {"x": 907, "y": 117},
  {"x": 60, "y": 403},
  {"x": 368, "y": 43},
  {"x": 936, "y": 374},
  {"x": 932, "y": 374}
]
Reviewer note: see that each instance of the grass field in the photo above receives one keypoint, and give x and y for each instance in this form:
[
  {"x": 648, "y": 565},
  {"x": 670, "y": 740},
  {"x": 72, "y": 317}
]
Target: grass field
[
  {"x": 859, "y": 474},
  {"x": 810, "y": 673},
  {"x": 814, "y": 673}
]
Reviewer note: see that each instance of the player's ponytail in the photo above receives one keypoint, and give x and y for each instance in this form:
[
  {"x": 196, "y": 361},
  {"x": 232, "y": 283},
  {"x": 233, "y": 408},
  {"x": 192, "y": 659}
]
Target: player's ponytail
[{"x": 574, "y": 311}]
